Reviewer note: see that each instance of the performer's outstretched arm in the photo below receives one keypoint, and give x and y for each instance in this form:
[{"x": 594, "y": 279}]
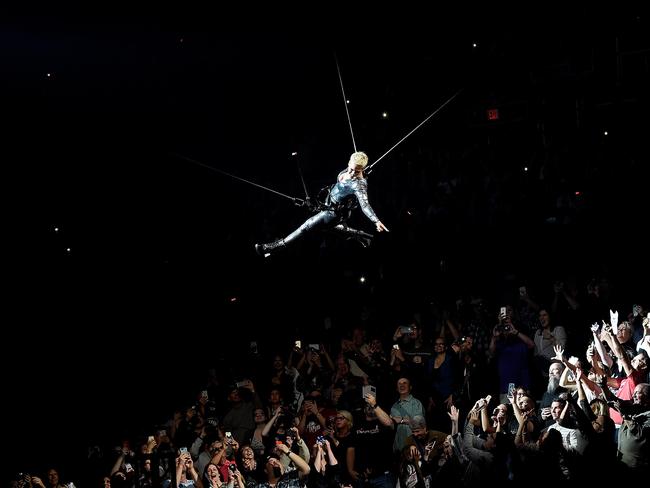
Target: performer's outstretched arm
[{"x": 361, "y": 192}]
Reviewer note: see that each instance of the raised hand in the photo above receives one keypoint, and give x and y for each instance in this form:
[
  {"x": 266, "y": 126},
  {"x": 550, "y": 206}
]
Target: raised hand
[
  {"x": 474, "y": 418},
  {"x": 453, "y": 414},
  {"x": 559, "y": 352},
  {"x": 37, "y": 481},
  {"x": 397, "y": 354},
  {"x": 370, "y": 399},
  {"x": 591, "y": 352},
  {"x": 428, "y": 449},
  {"x": 613, "y": 319},
  {"x": 151, "y": 445},
  {"x": 594, "y": 327},
  {"x": 283, "y": 448},
  {"x": 606, "y": 334},
  {"x": 295, "y": 432},
  {"x": 481, "y": 403},
  {"x": 415, "y": 453}
]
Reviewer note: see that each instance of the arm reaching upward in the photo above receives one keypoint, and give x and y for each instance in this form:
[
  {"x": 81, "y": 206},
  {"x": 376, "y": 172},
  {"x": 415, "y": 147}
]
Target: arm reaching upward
[{"x": 604, "y": 357}]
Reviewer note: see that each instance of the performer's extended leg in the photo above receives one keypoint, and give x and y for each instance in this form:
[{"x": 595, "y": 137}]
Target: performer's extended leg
[
  {"x": 363, "y": 237},
  {"x": 320, "y": 219}
]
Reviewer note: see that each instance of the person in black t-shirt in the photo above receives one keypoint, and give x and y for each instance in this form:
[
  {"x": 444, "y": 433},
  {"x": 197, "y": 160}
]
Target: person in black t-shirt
[{"x": 370, "y": 452}]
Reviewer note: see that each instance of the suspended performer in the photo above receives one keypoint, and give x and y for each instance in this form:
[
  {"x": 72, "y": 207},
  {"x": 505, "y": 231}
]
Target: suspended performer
[{"x": 351, "y": 188}]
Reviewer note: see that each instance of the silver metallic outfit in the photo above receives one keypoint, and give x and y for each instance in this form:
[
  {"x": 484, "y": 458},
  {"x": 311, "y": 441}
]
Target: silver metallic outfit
[{"x": 343, "y": 197}]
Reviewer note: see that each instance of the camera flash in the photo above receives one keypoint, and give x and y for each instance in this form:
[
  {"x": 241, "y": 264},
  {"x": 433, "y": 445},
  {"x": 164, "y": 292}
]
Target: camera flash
[{"x": 362, "y": 279}]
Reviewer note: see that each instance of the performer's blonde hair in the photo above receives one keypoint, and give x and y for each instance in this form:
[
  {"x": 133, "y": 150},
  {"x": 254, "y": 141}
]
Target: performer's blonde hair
[{"x": 359, "y": 159}]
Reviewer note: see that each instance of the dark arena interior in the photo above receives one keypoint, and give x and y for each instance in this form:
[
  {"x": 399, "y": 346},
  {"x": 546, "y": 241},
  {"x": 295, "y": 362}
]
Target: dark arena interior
[{"x": 513, "y": 174}]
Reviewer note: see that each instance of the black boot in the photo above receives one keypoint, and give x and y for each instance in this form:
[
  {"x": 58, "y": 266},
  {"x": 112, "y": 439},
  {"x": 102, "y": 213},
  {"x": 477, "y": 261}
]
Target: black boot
[
  {"x": 266, "y": 249},
  {"x": 364, "y": 238}
]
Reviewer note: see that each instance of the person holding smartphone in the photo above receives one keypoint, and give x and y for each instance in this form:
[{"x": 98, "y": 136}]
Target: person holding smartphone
[
  {"x": 547, "y": 336},
  {"x": 369, "y": 454},
  {"x": 277, "y": 475},
  {"x": 186, "y": 474},
  {"x": 417, "y": 353},
  {"x": 510, "y": 348},
  {"x": 315, "y": 417}
]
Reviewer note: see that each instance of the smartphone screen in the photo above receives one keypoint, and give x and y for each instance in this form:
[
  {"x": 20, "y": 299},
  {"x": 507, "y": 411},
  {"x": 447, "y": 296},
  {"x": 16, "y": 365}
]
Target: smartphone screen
[
  {"x": 511, "y": 389},
  {"x": 369, "y": 389}
]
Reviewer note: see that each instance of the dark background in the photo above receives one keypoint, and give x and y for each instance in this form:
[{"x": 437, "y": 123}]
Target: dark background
[{"x": 106, "y": 333}]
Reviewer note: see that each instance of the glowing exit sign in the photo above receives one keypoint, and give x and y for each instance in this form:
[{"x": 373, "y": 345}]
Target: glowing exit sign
[{"x": 493, "y": 114}]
